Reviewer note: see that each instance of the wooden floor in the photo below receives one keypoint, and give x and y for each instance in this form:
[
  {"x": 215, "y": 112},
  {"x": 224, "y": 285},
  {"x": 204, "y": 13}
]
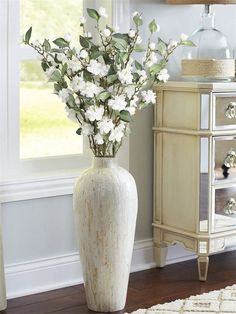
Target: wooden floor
[{"x": 146, "y": 288}]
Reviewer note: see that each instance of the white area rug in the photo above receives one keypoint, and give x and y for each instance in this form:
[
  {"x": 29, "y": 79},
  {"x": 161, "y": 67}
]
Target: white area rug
[{"x": 215, "y": 302}]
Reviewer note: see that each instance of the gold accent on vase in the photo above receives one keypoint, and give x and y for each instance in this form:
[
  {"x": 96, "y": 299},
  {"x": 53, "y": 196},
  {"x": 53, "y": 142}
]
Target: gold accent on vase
[{"x": 209, "y": 68}]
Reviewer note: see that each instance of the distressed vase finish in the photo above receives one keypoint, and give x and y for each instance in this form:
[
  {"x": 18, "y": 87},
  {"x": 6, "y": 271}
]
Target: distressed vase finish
[{"x": 105, "y": 204}]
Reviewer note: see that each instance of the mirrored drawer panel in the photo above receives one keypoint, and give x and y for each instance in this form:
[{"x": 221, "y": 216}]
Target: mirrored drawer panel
[
  {"x": 224, "y": 111},
  {"x": 224, "y": 158},
  {"x": 224, "y": 215}
]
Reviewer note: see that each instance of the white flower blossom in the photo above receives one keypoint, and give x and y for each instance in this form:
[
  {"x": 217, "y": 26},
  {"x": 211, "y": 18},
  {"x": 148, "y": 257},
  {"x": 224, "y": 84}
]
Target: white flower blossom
[
  {"x": 98, "y": 68},
  {"x": 117, "y": 133},
  {"x": 135, "y": 13},
  {"x": 71, "y": 114},
  {"x": 77, "y": 84},
  {"x": 158, "y": 28},
  {"x": 50, "y": 58},
  {"x": 102, "y": 12},
  {"x": 142, "y": 75},
  {"x": 105, "y": 125},
  {"x": 64, "y": 94},
  {"x": 152, "y": 46},
  {"x": 50, "y": 71},
  {"x": 118, "y": 103},
  {"x": 83, "y": 54},
  {"x": 77, "y": 101},
  {"x": 68, "y": 37},
  {"x": 149, "y": 96},
  {"x": 125, "y": 76},
  {"x": 61, "y": 57},
  {"x": 88, "y": 35},
  {"x": 74, "y": 65},
  {"x": 130, "y": 90},
  {"x": 133, "y": 102},
  {"x": 183, "y": 37},
  {"x": 94, "y": 113},
  {"x": 131, "y": 110},
  {"x": 163, "y": 75},
  {"x": 98, "y": 139},
  {"x": 82, "y": 20},
  {"x": 106, "y": 32},
  {"x": 173, "y": 44},
  {"x": 132, "y": 33},
  {"x": 139, "y": 40},
  {"x": 87, "y": 129},
  {"x": 90, "y": 89}
]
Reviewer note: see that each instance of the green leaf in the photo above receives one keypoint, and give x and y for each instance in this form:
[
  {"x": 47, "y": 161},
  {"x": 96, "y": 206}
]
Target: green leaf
[
  {"x": 111, "y": 70},
  {"x": 28, "y": 35},
  {"x": 79, "y": 131},
  {"x": 188, "y": 43},
  {"x": 96, "y": 54},
  {"x": 112, "y": 78},
  {"x": 46, "y": 45},
  {"x": 124, "y": 56},
  {"x": 103, "y": 96},
  {"x": 138, "y": 21},
  {"x": 125, "y": 116},
  {"x": 119, "y": 43},
  {"x": 121, "y": 36},
  {"x": 57, "y": 50},
  {"x": 161, "y": 47},
  {"x": 57, "y": 87},
  {"x": 71, "y": 101},
  {"x": 138, "y": 65},
  {"x": 87, "y": 76},
  {"x": 93, "y": 14},
  {"x": 44, "y": 66},
  {"x": 55, "y": 77},
  {"x": 61, "y": 42},
  {"x": 155, "y": 68},
  {"x": 152, "y": 26},
  {"x": 64, "y": 69},
  {"x": 84, "y": 42},
  {"x": 139, "y": 48},
  {"x": 143, "y": 104}
]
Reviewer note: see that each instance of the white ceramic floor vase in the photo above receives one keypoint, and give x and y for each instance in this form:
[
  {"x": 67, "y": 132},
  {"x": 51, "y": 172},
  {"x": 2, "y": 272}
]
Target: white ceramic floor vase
[{"x": 105, "y": 204}]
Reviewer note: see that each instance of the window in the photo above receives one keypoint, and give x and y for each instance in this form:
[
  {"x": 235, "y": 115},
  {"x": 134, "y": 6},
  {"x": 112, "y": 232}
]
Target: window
[
  {"x": 38, "y": 144},
  {"x": 44, "y": 129}
]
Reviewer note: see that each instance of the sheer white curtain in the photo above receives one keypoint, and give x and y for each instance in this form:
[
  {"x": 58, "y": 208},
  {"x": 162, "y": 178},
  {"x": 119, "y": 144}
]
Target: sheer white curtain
[{"x": 3, "y": 302}]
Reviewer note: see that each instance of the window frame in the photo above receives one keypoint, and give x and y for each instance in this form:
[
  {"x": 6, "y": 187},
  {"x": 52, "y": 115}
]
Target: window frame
[{"x": 18, "y": 178}]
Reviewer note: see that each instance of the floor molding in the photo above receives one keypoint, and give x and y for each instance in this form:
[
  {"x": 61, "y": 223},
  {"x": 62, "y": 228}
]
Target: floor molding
[{"x": 63, "y": 271}]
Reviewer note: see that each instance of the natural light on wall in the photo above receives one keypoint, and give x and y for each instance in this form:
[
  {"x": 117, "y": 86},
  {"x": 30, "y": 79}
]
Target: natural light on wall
[{"x": 44, "y": 127}]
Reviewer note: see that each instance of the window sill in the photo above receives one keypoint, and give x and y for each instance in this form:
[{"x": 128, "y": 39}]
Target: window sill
[{"x": 19, "y": 190}]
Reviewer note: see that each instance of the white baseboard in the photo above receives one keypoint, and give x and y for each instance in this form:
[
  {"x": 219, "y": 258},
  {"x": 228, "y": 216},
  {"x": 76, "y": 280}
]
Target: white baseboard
[{"x": 63, "y": 271}]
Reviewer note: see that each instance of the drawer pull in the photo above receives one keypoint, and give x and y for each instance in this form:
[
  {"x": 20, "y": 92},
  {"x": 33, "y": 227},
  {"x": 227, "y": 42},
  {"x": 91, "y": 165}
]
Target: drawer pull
[
  {"x": 230, "y": 111},
  {"x": 230, "y": 159},
  {"x": 229, "y": 162},
  {"x": 230, "y": 206}
]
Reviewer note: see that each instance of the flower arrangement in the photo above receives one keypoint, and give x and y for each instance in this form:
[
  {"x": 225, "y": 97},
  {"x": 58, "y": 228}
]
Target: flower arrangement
[{"x": 100, "y": 82}]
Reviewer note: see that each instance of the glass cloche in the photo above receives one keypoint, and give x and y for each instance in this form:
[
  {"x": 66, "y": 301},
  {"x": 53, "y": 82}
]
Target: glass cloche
[{"x": 211, "y": 58}]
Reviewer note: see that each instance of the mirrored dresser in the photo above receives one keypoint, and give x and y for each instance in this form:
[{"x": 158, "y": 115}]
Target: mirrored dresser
[{"x": 195, "y": 169}]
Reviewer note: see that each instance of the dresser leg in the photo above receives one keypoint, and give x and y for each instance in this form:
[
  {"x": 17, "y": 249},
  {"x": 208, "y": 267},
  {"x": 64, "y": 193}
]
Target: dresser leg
[
  {"x": 160, "y": 252},
  {"x": 203, "y": 262}
]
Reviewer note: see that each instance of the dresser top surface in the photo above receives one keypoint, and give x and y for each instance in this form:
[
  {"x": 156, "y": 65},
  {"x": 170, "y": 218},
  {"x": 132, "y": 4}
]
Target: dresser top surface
[{"x": 211, "y": 86}]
